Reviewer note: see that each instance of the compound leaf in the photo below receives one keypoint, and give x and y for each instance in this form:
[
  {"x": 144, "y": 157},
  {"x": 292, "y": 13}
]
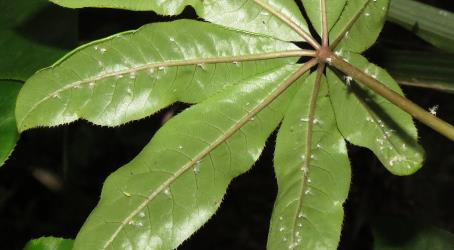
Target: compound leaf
[
  {"x": 49, "y": 243},
  {"x": 359, "y": 24},
  {"x": 314, "y": 12},
  {"x": 134, "y": 74},
  {"x": 8, "y": 129},
  {"x": 177, "y": 182},
  {"x": 313, "y": 178},
  {"x": 367, "y": 119}
]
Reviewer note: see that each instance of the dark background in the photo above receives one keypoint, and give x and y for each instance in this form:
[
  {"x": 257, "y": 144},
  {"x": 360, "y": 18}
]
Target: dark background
[{"x": 54, "y": 177}]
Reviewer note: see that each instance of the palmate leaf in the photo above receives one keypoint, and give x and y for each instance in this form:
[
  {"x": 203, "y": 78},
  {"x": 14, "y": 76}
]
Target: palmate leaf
[
  {"x": 8, "y": 129},
  {"x": 248, "y": 15},
  {"x": 313, "y": 178},
  {"x": 132, "y": 75},
  {"x": 177, "y": 182},
  {"x": 368, "y": 120},
  {"x": 240, "y": 73}
]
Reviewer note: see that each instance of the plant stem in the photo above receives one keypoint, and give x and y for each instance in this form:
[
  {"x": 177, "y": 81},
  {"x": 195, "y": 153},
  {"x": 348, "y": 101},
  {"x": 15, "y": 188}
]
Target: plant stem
[{"x": 408, "y": 106}]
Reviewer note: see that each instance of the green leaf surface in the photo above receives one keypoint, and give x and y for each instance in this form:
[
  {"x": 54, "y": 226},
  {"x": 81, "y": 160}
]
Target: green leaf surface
[
  {"x": 132, "y": 75},
  {"x": 423, "y": 69},
  {"x": 434, "y": 25},
  {"x": 359, "y": 25},
  {"x": 33, "y": 35},
  {"x": 246, "y": 15},
  {"x": 368, "y": 120},
  {"x": 8, "y": 129},
  {"x": 313, "y": 178},
  {"x": 177, "y": 182},
  {"x": 49, "y": 243},
  {"x": 249, "y": 15},
  {"x": 333, "y": 10}
]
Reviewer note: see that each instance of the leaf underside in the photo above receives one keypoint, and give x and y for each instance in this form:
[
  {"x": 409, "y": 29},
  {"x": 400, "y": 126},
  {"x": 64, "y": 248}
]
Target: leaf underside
[
  {"x": 242, "y": 74},
  {"x": 132, "y": 75},
  {"x": 391, "y": 134}
]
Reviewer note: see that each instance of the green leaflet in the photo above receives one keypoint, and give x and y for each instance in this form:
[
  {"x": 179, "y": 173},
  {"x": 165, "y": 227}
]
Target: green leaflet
[
  {"x": 250, "y": 16},
  {"x": 49, "y": 243},
  {"x": 33, "y": 34},
  {"x": 368, "y": 120},
  {"x": 177, "y": 182},
  {"x": 359, "y": 25},
  {"x": 333, "y": 8},
  {"x": 313, "y": 179},
  {"x": 132, "y": 75},
  {"x": 246, "y": 15},
  {"x": 8, "y": 129}
]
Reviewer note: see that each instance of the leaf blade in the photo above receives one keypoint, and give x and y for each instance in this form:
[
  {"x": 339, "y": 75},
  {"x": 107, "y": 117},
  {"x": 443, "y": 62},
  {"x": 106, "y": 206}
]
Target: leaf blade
[
  {"x": 313, "y": 179},
  {"x": 368, "y": 120},
  {"x": 251, "y": 16},
  {"x": 359, "y": 25},
  {"x": 107, "y": 82}
]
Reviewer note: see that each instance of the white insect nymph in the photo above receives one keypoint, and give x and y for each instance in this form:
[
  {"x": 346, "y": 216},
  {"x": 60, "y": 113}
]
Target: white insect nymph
[{"x": 433, "y": 110}]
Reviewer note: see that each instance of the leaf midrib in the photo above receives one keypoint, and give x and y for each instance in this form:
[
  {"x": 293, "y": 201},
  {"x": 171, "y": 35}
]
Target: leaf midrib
[
  {"x": 309, "y": 142},
  {"x": 176, "y": 63},
  {"x": 222, "y": 138}
]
